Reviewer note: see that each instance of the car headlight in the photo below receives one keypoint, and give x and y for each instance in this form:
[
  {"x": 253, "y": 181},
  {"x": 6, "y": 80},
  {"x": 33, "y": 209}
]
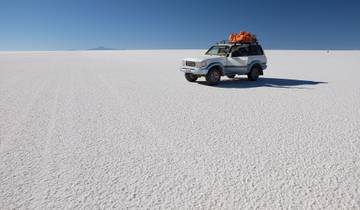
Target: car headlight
[{"x": 200, "y": 64}]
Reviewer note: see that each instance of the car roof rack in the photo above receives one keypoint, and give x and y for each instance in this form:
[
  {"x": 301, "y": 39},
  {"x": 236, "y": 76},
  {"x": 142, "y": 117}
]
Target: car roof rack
[{"x": 237, "y": 43}]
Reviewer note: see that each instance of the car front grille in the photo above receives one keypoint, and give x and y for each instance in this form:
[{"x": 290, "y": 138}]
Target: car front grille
[{"x": 190, "y": 63}]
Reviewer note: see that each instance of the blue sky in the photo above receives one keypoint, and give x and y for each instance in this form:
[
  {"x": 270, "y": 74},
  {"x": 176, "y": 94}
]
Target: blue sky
[{"x": 159, "y": 24}]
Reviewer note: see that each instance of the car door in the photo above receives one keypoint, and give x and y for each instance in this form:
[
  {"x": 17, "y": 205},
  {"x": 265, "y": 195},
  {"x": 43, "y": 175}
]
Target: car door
[{"x": 238, "y": 60}]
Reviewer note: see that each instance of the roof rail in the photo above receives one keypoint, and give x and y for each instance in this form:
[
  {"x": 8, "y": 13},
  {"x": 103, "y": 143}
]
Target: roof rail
[
  {"x": 223, "y": 42},
  {"x": 236, "y": 43}
]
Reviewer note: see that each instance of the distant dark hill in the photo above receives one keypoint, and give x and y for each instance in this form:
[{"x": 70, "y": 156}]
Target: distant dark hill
[{"x": 102, "y": 48}]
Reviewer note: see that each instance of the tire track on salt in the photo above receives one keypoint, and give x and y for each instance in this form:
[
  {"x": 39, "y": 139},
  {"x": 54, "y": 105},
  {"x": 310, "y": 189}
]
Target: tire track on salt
[
  {"x": 11, "y": 134},
  {"x": 179, "y": 173}
]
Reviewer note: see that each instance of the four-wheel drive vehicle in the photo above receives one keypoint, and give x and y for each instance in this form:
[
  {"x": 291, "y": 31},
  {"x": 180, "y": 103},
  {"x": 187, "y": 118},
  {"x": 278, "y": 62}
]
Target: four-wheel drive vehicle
[{"x": 226, "y": 59}]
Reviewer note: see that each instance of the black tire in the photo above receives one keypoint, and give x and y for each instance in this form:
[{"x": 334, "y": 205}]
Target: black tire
[
  {"x": 254, "y": 73},
  {"x": 191, "y": 77},
  {"x": 231, "y": 76},
  {"x": 213, "y": 77}
]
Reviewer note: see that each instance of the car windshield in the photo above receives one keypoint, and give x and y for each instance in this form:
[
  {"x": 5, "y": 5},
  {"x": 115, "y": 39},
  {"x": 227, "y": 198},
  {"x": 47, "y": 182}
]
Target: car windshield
[{"x": 218, "y": 50}]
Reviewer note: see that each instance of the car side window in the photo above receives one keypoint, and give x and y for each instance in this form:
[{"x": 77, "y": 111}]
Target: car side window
[
  {"x": 222, "y": 51},
  {"x": 240, "y": 52},
  {"x": 255, "y": 50}
]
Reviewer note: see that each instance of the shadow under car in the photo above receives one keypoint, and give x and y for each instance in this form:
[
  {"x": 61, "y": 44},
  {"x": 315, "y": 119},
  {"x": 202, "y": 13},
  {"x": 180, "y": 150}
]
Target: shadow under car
[{"x": 264, "y": 82}]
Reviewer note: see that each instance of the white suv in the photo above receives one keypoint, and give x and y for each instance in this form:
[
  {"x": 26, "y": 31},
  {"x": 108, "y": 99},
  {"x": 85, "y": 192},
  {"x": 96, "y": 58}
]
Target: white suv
[{"x": 226, "y": 59}]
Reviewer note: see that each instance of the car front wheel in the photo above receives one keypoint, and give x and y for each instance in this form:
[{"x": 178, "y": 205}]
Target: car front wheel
[
  {"x": 213, "y": 77},
  {"x": 191, "y": 77}
]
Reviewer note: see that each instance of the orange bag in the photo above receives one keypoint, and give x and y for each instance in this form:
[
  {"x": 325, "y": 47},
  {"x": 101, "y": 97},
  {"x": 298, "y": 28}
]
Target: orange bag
[{"x": 243, "y": 36}]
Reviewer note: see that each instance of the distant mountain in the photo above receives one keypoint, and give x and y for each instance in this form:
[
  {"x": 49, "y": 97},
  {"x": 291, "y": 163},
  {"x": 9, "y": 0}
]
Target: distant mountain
[{"x": 102, "y": 48}]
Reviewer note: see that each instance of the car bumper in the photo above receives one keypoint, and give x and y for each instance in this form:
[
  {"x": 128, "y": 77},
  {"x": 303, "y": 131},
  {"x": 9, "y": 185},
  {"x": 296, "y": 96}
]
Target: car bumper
[{"x": 194, "y": 70}]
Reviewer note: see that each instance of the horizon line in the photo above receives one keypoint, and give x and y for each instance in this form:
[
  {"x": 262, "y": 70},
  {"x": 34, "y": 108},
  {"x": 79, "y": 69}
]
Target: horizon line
[{"x": 145, "y": 49}]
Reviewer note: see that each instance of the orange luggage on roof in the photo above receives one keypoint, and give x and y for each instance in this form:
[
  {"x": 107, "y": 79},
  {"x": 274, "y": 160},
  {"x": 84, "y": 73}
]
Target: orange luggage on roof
[{"x": 243, "y": 36}]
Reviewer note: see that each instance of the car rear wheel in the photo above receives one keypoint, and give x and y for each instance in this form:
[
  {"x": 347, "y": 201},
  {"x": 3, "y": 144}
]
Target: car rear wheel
[
  {"x": 213, "y": 77},
  {"x": 253, "y": 75},
  {"x": 191, "y": 77}
]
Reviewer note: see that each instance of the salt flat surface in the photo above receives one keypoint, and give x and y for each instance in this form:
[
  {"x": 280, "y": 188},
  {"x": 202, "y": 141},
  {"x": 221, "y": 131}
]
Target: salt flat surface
[{"x": 123, "y": 129}]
